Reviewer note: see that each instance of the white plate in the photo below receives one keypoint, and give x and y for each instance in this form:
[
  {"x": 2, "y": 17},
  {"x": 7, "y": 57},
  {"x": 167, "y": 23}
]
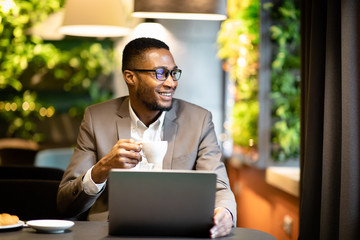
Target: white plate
[
  {"x": 50, "y": 226},
  {"x": 19, "y": 224}
]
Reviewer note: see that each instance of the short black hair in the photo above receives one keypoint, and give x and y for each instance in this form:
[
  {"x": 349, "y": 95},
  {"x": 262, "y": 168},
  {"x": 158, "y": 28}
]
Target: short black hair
[{"x": 135, "y": 48}]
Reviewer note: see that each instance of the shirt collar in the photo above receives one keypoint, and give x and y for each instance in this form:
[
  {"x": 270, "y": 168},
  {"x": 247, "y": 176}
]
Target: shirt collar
[{"x": 135, "y": 121}]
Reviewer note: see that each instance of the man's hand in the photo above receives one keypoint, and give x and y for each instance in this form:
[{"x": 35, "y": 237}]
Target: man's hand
[
  {"x": 222, "y": 223},
  {"x": 124, "y": 154}
]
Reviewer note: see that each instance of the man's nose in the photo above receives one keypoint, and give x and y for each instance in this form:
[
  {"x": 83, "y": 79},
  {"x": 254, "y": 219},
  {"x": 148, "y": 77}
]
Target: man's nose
[{"x": 169, "y": 82}]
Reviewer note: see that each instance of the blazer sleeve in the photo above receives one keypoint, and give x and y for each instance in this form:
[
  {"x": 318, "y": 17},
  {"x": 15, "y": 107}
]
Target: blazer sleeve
[
  {"x": 71, "y": 199},
  {"x": 209, "y": 158}
]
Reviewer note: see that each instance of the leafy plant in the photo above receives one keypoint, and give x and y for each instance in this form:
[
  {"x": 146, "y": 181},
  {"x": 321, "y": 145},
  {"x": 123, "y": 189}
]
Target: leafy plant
[
  {"x": 238, "y": 46},
  {"x": 285, "y": 79},
  {"x": 238, "y": 40},
  {"x": 27, "y": 62}
]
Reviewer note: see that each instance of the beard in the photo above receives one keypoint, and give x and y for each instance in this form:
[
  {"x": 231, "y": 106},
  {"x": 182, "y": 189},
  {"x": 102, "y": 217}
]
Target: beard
[
  {"x": 154, "y": 106},
  {"x": 148, "y": 100}
]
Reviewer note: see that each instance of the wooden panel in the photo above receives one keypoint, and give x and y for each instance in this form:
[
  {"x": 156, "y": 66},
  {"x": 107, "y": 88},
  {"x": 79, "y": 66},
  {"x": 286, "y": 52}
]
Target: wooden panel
[{"x": 261, "y": 206}]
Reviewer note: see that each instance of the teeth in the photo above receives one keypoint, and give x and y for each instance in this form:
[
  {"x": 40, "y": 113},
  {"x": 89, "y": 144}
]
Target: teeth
[{"x": 165, "y": 94}]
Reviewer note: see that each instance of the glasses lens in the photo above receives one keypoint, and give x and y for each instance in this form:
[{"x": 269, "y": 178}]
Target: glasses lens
[
  {"x": 176, "y": 74},
  {"x": 162, "y": 74}
]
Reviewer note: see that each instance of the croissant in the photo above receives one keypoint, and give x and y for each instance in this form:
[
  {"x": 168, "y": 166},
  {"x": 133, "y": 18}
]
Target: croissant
[{"x": 7, "y": 219}]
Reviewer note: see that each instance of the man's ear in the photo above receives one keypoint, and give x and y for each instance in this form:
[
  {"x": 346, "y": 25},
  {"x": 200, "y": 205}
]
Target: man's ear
[{"x": 129, "y": 77}]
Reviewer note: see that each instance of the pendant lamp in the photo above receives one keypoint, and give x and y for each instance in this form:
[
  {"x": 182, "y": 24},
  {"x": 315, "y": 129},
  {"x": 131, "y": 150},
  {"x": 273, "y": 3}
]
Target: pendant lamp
[
  {"x": 184, "y": 9},
  {"x": 94, "y": 18}
]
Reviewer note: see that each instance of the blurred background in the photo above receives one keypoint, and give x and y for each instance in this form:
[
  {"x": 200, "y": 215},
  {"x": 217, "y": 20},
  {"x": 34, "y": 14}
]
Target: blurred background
[{"x": 240, "y": 60}]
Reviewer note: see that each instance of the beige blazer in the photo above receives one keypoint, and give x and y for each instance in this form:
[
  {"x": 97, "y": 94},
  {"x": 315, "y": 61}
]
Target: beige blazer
[{"x": 192, "y": 145}]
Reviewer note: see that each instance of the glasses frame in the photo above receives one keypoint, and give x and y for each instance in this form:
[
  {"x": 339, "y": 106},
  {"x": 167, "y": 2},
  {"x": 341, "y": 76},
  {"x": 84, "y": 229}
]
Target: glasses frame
[{"x": 169, "y": 72}]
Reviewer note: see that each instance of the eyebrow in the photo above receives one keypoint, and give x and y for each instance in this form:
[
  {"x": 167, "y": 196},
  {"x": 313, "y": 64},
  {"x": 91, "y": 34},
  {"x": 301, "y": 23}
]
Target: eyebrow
[{"x": 175, "y": 67}]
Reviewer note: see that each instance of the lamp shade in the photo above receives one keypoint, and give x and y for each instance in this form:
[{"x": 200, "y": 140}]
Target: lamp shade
[
  {"x": 184, "y": 9},
  {"x": 94, "y": 18}
]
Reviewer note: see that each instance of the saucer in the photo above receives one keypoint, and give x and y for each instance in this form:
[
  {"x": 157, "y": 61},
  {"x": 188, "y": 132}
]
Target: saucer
[
  {"x": 19, "y": 225},
  {"x": 50, "y": 225}
]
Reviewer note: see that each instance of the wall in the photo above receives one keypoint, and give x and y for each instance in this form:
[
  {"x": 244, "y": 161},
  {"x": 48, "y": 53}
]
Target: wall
[{"x": 261, "y": 206}]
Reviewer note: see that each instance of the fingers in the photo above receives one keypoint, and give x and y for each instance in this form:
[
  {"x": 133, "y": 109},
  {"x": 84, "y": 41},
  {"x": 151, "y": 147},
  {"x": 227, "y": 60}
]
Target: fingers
[
  {"x": 129, "y": 145},
  {"x": 126, "y": 153},
  {"x": 222, "y": 223},
  {"x": 127, "y": 162},
  {"x": 131, "y": 155}
]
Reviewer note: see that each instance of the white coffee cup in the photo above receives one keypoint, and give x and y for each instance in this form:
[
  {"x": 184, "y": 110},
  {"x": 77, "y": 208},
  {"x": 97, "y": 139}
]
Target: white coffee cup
[{"x": 154, "y": 152}]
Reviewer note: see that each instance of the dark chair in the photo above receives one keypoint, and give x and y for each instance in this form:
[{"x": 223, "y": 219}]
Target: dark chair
[
  {"x": 19, "y": 172},
  {"x": 29, "y": 192},
  {"x": 29, "y": 198}
]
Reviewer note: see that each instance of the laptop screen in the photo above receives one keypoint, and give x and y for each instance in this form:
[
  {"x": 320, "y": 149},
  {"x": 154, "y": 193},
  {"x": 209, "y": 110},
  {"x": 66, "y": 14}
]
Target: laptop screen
[{"x": 161, "y": 203}]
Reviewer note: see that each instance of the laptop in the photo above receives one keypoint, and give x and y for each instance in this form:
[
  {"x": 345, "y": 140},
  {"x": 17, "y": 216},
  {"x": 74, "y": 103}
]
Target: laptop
[{"x": 161, "y": 203}]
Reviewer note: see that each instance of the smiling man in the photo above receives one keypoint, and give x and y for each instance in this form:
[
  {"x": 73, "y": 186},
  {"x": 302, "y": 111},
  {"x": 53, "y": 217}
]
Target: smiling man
[{"x": 111, "y": 132}]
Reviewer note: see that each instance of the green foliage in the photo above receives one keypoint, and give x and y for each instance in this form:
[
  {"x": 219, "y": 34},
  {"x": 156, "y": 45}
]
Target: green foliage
[
  {"x": 244, "y": 122},
  {"x": 20, "y": 123},
  {"x": 285, "y": 80},
  {"x": 238, "y": 41},
  {"x": 27, "y": 63},
  {"x": 238, "y": 46},
  {"x": 16, "y": 47}
]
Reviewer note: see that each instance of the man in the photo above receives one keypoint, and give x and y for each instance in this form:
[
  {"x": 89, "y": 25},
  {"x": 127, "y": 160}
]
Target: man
[{"x": 111, "y": 132}]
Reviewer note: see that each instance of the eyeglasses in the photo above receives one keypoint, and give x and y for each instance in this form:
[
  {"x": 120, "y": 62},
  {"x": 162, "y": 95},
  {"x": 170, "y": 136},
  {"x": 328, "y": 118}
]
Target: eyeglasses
[{"x": 162, "y": 73}]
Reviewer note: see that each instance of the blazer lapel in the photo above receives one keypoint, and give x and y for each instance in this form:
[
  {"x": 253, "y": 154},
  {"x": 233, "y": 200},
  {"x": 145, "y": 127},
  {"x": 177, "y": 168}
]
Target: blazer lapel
[
  {"x": 123, "y": 124},
  {"x": 170, "y": 130}
]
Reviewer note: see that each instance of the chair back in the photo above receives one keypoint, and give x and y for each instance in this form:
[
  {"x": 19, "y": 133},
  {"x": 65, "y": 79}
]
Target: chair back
[
  {"x": 25, "y": 172},
  {"x": 55, "y": 158},
  {"x": 29, "y": 192},
  {"x": 29, "y": 198}
]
